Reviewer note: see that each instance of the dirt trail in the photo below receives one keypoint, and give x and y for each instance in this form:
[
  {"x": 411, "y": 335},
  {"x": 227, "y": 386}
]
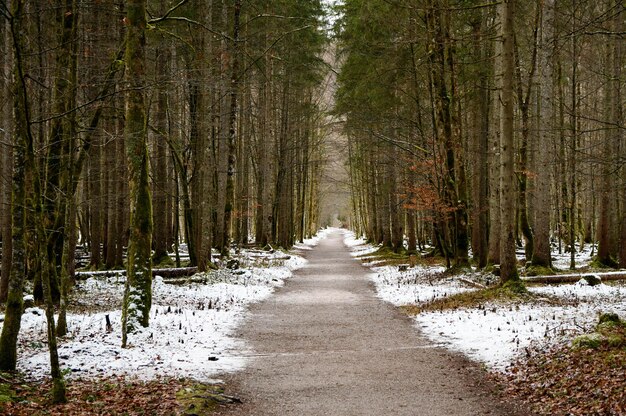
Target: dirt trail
[{"x": 325, "y": 345}]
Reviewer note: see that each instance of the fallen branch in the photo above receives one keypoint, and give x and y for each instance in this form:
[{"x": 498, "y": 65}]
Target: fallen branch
[
  {"x": 168, "y": 273},
  {"x": 575, "y": 277},
  {"x": 471, "y": 283}
]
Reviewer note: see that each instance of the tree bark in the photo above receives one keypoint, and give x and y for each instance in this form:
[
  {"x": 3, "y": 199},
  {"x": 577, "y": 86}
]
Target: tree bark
[
  {"x": 6, "y": 160},
  {"x": 22, "y": 195},
  {"x": 138, "y": 289},
  {"x": 232, "y": 132},
  {"x": 480, "y": 188},
  {"x": 541, "y": 253},
  {"x": 508, "y": 262}
]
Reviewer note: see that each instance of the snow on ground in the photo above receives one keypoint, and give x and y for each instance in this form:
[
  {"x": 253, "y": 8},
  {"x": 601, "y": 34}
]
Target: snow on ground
[
  {"x": 190, "y": 332},
  {"x": 561, "y": 261},
  {"x": 309, "y": 243},
  {"x": 357, "y": 245},
  {"x": 417, "y": 285},
  {"x": 494, "y": 334}
]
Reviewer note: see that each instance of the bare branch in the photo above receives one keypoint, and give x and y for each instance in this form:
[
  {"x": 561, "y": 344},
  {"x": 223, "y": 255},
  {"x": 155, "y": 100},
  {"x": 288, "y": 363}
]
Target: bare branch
[{"x": 168, "y": 13}]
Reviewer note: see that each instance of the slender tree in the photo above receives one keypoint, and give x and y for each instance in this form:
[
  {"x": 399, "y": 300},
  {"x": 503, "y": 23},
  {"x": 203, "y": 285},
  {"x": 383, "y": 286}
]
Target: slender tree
[
  {"x": 138, "y": 289},
  {"x": 508, "y": 261}
]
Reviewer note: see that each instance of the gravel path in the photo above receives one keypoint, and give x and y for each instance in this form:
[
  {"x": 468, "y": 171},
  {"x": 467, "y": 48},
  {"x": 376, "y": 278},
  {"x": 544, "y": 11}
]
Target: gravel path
[{"x": 325, "y": 345}]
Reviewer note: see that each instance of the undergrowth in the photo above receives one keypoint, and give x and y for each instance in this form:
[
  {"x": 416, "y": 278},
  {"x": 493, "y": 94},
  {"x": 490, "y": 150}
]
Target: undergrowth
[
  {"x": 385, "y": 256},
  {"x": 477, "y": 298}
]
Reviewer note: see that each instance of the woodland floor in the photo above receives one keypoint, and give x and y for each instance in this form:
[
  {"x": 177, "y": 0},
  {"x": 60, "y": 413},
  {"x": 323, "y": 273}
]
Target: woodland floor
[{"x": 325, "y": 344}]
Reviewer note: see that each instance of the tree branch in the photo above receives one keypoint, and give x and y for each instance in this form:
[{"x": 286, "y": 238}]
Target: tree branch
[{"x": 167, "y": 14}]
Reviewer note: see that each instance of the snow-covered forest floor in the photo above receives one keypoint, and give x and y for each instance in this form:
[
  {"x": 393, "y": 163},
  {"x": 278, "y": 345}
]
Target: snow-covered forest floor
[
  {"x": 191, "y": 324},
  {"x": 502, "y": 334},
  {"x": 525, "y": 343}
]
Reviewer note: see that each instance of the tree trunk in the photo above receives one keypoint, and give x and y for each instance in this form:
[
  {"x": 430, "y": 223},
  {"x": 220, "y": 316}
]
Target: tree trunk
[
  {"x": 480, "y": 188},
  {"x": 232, "y": 133},
  {"x": 138, "y": 289},
  {"x": 541, "y": 253},
  {"x": 508, "y": 262},
  {"x": 22, "y": 195},
  {"x": 6, "y": 159},
  {"x": 524, "y": 103}
]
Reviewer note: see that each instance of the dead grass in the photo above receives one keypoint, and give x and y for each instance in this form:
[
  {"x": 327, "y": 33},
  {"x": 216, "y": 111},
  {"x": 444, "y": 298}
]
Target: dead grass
[{"x": 478, "y": 299}]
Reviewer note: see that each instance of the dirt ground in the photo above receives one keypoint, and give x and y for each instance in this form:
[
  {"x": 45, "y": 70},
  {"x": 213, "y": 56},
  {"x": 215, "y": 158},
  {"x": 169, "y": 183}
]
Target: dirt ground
[{"x": 325, "y": 345}]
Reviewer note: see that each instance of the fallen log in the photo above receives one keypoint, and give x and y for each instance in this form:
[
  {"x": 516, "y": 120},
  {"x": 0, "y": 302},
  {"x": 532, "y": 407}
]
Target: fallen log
[
  {"x": 168, "y": 273},
  {"x": 575, "y": 277},
  {"x": 471, "y": 283}
]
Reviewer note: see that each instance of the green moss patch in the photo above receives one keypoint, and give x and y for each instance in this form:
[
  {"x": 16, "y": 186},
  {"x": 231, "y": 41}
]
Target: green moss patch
[
  {"x": 610, "y": 263},
  {"x": 203, "y": 399},
  {"x": 539, "y": 271},
  {"x": 7, "y": 394},
  {"x": 610, "y": 333}
]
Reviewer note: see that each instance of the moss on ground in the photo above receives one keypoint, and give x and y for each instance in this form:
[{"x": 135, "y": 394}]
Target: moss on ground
[
  {"x": 7, "y": 394},
  {"x": 610, "y": 333},
  {"x": 163, "y": 262},
  {"x": 203, "y": 399},
  {"x": 539, "y": 271}
]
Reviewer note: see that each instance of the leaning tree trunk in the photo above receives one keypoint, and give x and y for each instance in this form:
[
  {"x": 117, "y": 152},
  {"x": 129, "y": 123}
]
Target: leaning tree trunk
[{"x": 138, "y": 290}]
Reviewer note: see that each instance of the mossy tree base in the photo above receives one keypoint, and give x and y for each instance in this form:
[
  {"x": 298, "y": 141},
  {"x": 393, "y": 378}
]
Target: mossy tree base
[
  {"x": 515, "y": 286},
  {"x": 533, "y": 270},
  {"x": 599, "y": 263}
]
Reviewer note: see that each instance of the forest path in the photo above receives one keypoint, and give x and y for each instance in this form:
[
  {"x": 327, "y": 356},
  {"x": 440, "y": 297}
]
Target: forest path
[{"x": 325, "y": 345}]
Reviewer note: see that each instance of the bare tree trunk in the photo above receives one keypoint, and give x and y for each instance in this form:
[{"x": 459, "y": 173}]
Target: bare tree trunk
[
  {"x": 494, "y": 158},
  {"x": 121, "y": 198},
  {"x": 480, "y": 188},
  {"x": 110, "y": 161},
  {"x": 618, "y": 117},
  {"x": 65, "y": 227},
  {"x": 574, "y": 141},
  {"x": 508, "y": 262},
  {"x": 138, "y": 289},
  {"x": 606, "y": 244},
  {"x": 232, "y": 133},
  {"x": 396, "y": 217},
  {"x": 6, "y": 126},
  {"x": 95, "y": 202},
  {"x": 541, "y": 253},
  {"x": 22, "y": 192},
  {"x": 159, "y": 150},
  {"x": 524, "y": 103}
]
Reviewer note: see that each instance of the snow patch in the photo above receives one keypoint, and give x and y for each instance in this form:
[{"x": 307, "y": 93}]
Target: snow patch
[
  {"x": 191, "y": 332},
  {"x": 493, "y": 334}
]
